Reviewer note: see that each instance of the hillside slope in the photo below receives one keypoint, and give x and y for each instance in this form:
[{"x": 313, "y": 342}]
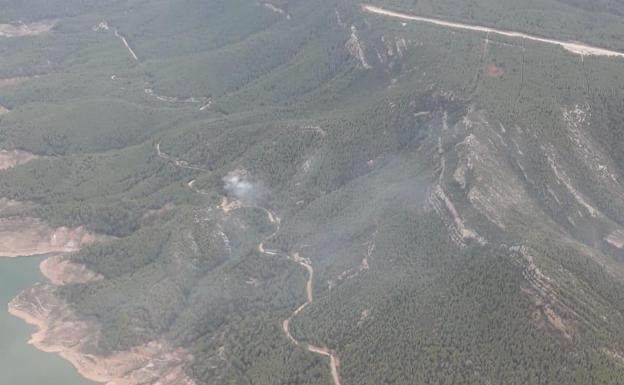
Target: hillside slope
[{"x": 301, "y": 192}]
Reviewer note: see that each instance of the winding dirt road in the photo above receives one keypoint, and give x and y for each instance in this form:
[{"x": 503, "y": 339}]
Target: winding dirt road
[
  {"x": 574, "y": 47},
  {"x": 334, "y": 362}
]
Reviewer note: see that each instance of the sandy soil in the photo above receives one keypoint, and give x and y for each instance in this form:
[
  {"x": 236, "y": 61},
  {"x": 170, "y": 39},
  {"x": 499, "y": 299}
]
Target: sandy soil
[
  {"x": 19, "y": 30},
  {"x": 12, "y": 158},
  {"x": 29, "y": 236},
  {"x": 574, "y": 47}
]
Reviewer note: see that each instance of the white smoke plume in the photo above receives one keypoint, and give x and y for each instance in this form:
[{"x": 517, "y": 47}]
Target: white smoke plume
[{"x": 238, "y": 185}]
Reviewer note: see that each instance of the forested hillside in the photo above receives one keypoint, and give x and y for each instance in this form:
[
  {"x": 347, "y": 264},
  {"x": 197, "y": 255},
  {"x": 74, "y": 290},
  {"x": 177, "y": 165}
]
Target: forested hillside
[{"x": 302, "y": 192}]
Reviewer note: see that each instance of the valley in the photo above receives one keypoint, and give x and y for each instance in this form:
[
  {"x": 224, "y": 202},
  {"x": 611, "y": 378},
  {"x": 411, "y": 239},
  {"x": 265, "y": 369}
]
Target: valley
[{"x": 316, "y": 192}]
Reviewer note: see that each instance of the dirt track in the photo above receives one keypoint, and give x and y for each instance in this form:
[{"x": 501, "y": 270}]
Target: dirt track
[
  {"x": 334, "y": 363},
  {"x": 127, "y": 45},
  {"x": 574, "y": 47},
  {"x": 226, "y": 206},
  {"x": 178, "y": 163}
]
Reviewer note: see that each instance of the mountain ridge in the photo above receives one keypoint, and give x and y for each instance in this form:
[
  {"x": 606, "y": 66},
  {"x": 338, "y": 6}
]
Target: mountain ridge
[{"x": 456, "y": 196}]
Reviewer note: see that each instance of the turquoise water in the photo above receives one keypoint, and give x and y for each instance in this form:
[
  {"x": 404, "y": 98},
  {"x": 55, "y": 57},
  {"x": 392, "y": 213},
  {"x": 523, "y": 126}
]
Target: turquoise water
[{"x": 20, "y": 363}]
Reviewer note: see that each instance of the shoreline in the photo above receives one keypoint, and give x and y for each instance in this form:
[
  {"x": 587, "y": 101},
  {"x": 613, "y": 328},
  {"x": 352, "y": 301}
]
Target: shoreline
[
  {"x": 38, "y": 336},
  {"x": 26, "y": 236},
  {"x": 60, "y": 331}
]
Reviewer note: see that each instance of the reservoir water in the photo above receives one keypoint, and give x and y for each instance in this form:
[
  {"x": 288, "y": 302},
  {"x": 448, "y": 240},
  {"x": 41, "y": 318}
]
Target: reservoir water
[{"x": 20, "y": 363}]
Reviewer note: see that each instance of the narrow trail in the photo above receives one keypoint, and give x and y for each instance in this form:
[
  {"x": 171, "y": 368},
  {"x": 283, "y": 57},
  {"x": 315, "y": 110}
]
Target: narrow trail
[
  {"x": 571, "y": 46},
  {"x": 522, "y": 75},
  {"x": 178, "y": 163},
  {"x": 127, "y": 45},
  {"x": 334, "y": 362},
  {"x": 277, "y": 9},
  {"x": 481, "y": 67},
  {"x": 203, "y": 102},
  {"x": 191, "y": 185}
]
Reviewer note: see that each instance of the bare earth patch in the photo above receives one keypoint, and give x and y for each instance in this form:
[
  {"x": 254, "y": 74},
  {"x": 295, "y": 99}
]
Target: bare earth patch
[
  {"x": 230, "y": 205},
  {"x": 29, "y": 236},
  {"x": 10, "y": 82},
  {"x": 12, "y": 158},
  {"x": 494, "y": 71},
  {"x": 61, "y": 271},
  {"x": 20, "y": 30}
]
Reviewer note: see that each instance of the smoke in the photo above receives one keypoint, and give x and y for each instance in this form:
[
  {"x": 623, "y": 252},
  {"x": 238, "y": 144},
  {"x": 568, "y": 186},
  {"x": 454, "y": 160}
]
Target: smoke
[{"x": 238, "y": 185}]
